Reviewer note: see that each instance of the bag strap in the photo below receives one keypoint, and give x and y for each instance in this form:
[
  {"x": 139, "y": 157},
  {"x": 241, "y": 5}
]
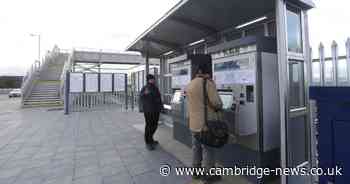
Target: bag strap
[{"x": 205, "y": 101}]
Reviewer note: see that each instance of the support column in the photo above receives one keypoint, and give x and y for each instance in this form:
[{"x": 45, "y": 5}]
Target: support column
[
  {"x": 161, "y": 75},
  {"x": 281, "y": 24},
  {"x": 126, "y": 91},
  {"x": 308, "y": 61},
  {"x": 147, "y": 63},
  {"x": 66, "y": 93}
]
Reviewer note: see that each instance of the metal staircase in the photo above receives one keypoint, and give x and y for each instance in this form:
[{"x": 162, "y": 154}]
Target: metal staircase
[
  {"x": 43, "y": 90},
  {"x": 45, "y": 93}
]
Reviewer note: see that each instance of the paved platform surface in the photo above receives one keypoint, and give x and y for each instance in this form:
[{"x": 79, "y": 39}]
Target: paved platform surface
[
  {"x": 38, "y": 146},
  {"x": 44, "y": 146}
]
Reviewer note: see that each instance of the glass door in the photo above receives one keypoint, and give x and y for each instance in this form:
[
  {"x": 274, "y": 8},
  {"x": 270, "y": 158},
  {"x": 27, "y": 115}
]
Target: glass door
[
  {"x": 297, "y": 126},
  {"x": 297, "y": 129}
]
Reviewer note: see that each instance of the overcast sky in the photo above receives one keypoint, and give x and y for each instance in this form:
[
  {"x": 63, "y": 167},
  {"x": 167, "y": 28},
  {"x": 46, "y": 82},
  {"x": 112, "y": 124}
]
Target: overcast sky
[{"x": 114, "y": 24}]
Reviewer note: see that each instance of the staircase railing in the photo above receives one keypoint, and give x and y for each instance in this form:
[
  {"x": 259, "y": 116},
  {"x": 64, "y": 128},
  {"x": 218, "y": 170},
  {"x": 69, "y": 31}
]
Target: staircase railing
[
  {"x": 33, "y": 74},
  {"x": 66, "y": 68},
  {"x": 28, "y": 80}
]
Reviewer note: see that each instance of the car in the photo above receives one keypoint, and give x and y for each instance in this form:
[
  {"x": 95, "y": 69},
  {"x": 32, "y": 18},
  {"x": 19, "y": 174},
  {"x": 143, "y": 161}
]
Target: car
[{"x": 15, "y": 93}]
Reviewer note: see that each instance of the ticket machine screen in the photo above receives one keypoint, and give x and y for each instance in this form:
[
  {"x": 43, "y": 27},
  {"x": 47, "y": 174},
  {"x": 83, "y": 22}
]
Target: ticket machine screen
[{"x": 227, "y": 100}]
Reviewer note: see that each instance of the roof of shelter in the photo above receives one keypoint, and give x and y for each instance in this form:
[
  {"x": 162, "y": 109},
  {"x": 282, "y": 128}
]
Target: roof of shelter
[
  {"x": 109, "y": 58},
  {"x": 192, "y": 20}
]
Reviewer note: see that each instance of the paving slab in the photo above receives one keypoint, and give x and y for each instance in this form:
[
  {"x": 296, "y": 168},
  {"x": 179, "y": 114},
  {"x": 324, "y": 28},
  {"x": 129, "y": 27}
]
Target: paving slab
[{"x": 97, "y": 147}]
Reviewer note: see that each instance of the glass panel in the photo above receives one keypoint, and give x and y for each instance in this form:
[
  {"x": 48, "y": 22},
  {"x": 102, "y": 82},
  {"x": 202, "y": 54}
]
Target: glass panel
[
  {"x": 296, "y": 84},
  {"x": 297, "y": 141},
  {"x": 294, "y": 30},
  {"x": 328, "y": 71},
  {"x": 316, "y": 72},
  {"x": 342, "y": 70}
]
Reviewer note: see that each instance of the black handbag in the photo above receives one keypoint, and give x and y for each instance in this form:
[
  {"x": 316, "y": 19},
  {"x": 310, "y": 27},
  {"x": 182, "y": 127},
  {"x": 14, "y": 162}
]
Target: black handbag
[{"x": 216, "y": 135}]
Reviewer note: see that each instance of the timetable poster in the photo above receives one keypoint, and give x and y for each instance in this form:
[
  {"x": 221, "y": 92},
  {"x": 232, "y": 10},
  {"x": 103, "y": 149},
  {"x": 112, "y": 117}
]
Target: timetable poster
[
  {"x": 91, "y": 82},
  {"x": 106, "y": 82},
  {"x": 119, "y": 82},
  {"x": 76, "y": 82}
]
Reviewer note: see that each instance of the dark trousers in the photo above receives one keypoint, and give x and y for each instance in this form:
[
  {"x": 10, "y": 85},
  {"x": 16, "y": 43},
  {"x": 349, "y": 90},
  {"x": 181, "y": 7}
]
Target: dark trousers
[{"x": 152, "y": 119}]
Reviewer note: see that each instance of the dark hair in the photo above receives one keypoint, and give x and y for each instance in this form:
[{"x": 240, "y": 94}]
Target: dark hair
[
  {"x": 149, "y": 77},
  {"x": 202, "y": 69}
]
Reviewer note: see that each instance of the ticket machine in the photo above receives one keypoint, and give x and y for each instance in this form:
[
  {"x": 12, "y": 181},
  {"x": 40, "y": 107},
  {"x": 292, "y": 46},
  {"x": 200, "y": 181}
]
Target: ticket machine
[
  {"x": 246, "y": 74},
  {"x": 247, "y": 69},
  {"x": 182, "y": 69}
]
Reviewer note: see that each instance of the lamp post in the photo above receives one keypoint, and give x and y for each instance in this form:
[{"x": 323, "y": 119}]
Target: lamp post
[{"x": 37, "y": 35}]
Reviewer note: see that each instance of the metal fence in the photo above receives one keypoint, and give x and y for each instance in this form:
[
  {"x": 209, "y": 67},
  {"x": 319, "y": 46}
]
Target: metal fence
[
  {"x": 331, "y": 71},
  {"x": 93, "y": 91}
]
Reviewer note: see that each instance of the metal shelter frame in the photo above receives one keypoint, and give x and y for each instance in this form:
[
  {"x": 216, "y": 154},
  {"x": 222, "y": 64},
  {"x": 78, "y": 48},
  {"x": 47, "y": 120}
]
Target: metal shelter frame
[{"x": 192, "y": 25}]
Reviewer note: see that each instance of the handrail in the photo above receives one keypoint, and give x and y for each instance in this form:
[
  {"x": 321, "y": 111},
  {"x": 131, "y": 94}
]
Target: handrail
[
  {"x": 33, "y": 73},
  {"x": 28, "y": 81},
  {"x": 66, "y": 68}
]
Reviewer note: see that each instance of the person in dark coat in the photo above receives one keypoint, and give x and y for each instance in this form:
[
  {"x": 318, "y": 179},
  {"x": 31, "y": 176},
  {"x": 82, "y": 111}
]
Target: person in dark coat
[{"x": 152, "y": 105}]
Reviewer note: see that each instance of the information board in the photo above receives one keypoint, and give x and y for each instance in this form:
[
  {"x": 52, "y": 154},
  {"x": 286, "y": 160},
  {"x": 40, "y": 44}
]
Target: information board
[
  {"x": 106, "y": 82},
  {"x": 180, "y": 78},
  {"x": 234, "y": 72},
  {"x": 76, "y": 82},
  {"x": 91, "y": 82},
  {"x": 119, "y": 82}
]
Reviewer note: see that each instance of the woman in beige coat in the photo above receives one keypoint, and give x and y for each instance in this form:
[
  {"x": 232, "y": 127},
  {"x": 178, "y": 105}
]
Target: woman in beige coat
[{"x": 195, "y": 99}]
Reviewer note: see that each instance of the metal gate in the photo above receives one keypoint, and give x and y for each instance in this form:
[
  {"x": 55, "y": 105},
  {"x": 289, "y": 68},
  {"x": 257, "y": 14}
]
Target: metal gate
[{"x": 93, "y": 91}]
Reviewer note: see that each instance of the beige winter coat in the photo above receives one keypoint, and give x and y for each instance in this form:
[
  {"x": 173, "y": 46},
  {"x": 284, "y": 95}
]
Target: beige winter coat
[{"x": 194, "y": 95}]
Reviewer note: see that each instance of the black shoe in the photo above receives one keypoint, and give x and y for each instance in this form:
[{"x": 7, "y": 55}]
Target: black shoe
[
  {"x": 155, "y": 143},
  {"x": 212, "y": 178},
  {"x": 150, "y": 147}
]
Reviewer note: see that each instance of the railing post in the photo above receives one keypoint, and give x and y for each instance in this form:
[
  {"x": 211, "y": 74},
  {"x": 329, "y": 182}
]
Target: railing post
[
  {"x": 66, "y": 94},
  {"x": 310, "y": 75},
  {"x": 348, "y": 61},
  {"x": 335, "y": 62},
  {"x": 126, "y": 91},
  {"x": 322, "y": 60},
  {"x": 132, "y": 100}
]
